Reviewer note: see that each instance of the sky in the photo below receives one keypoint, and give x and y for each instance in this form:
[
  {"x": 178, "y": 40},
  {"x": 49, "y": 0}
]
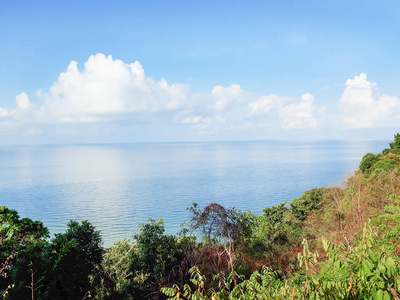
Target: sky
[{"x": 100, "y": 71}]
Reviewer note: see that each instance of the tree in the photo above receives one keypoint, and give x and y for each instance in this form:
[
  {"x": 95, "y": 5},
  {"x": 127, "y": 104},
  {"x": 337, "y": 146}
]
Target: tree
[
  {"x": 222, "y": 225},
  {"x": 275, "y": 226},
  {"x": 157, "y": 254},
  {"x": 309, "y": 201},
  {"x": 368, "y": 161},
  {"x": 17, "y": 234},
  {"x": 230, "y": 228},
  {"x": 394, "y": 146},
  {"x": 23, "y": 246},
  {"x": 74, "y": 254},
  {"x": 140, "y": 269}
]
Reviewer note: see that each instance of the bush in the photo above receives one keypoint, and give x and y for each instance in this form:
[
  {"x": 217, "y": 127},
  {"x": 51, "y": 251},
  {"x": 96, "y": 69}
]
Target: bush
[
  {"x": 139, "y": 269},
  {"x": 394, "y": 146},
  {"x": 74, "y": 254},
  {"x": 222, "y": 225},
  {"x": 309, "y": 201},
  {"x": 277, "y": 228},
  {"x": 368, "y": 161},
  {"x": 23, "y": 250}
]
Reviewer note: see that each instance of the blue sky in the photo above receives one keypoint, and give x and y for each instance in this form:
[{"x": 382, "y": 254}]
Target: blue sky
[{"x": 139, "y": 71}]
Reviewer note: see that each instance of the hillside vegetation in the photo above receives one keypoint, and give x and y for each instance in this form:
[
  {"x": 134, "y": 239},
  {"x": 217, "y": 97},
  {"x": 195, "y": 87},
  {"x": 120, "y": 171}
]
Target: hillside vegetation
[{"x": 330, "y": 243}]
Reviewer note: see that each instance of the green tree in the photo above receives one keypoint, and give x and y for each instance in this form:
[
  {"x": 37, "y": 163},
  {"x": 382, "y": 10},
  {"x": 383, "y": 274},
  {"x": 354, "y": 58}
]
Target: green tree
[
  {"x": 139, "y": 269},
  {"x": 75, "y": 255},
  {"x": 229, "y": 230},
  {"x": 309, "y": 201},
  {"x": 117, "y": 265},
  {"x": 23, "y": 245},
  {"x": 17, "y": 234},
  {"x": 221, "y": 225},
  {"x": 368, "y": 161},
  {"x": 276, "y": 226},
  {"x": 157, "y": 254},
  {"x": 394, "y": 147}
]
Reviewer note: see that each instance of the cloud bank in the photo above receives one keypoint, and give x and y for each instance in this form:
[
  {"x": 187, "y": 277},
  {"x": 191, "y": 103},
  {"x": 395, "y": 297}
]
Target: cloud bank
[{"x": 108, "y": 90}]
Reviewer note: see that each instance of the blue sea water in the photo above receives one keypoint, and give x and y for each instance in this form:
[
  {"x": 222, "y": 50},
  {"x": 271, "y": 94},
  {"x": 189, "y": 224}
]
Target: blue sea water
[{"x": 119, "y": 186}]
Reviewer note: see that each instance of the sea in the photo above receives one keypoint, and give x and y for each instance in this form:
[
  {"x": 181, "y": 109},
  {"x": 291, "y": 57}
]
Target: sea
[{"x": 117, "y": 187}]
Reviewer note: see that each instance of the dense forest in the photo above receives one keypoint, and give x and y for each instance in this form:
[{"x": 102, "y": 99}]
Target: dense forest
[{"x": 330, "y": 243}]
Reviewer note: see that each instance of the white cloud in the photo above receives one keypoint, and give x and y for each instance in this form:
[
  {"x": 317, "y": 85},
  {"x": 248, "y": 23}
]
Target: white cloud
[
  {"x": 22, "y": 101},
  {"x": 20, "y": 112},
  {"x": 4, "y": 112},
  {"x": 300, "y": 115},
  {"x": 361, "y": 110},
  {"x": 192, "y": 120},
  {"x": 265, "y": 104},
  {"x": 107, "y": 89},
  {"x": 225, "y": 96}
]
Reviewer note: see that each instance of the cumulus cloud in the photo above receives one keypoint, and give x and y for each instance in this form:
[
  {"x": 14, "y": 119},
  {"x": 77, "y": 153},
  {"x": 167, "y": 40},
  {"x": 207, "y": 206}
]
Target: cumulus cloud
[
  {"x": 3, "y": 112},
  {"x": 300, "y": 115},
  {"x": 20, "y": 113},
  {"x": 225, "y": 96},
  {"x": 107, "y": 89},
  {"x": 22, "y": 101},
  {"x": 265, "y": 104},
  {"x": 361, "y": 110},
  {"x": 192, "y": 120}
]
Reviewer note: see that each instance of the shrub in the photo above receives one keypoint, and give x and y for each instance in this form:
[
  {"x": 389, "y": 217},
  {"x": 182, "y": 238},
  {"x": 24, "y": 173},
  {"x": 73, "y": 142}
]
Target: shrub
[
  {"x": 222, "y": 225},
  {"x": 74, "y": 254},
  {"x": 23, "y": 250},
  {"x": 368, "y": 161},
  {"x": 139, "y": 269},
  {"x": 276, "y": 232},
  {"x": 309, "y": 201}
]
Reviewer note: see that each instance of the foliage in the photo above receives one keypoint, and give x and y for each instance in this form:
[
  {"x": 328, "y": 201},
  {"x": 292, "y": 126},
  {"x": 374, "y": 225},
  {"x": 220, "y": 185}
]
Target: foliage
[
  {"x": 221, "y": 225},
  {"x": 394, "y": 146},
  {"x": 116, "y": 265},
  {"x": 388, "y": 223},
  {"x": 31, "y": 272},
  {"x": 366, "y": 271},
  {"x": 17, "y": 234},
  {"x": 139, "y": 269},
  {"x": 387, "y": 161},
  {"x": 368, "y": 161},
  {"x": 22, "y": 244},
  {"x": 75, "y": 255},
  {"x": 309, "y": 201},
  {"x": 197, "y": 279},
  {"x": 157, "y": 255},
  {"x": 227, "y": 235},
  {"x": 276, "y": 226}
]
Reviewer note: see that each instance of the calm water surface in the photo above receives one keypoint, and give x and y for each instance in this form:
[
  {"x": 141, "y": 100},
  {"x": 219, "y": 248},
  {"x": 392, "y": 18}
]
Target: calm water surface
[{"x": 119, "y": 186}]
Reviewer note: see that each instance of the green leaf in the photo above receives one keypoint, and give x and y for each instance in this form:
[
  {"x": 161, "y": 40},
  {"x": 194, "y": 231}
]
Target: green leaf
[
  {"x": 378, "y": 295},
  {"x": 386, "y": 295}
]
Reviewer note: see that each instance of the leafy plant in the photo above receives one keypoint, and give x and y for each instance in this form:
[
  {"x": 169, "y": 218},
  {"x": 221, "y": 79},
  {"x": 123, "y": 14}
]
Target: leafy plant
[
  {"x": 75, "y": 255},
  {"x": 309, "y": 201},
  {"x": 368, "y": 161}
]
